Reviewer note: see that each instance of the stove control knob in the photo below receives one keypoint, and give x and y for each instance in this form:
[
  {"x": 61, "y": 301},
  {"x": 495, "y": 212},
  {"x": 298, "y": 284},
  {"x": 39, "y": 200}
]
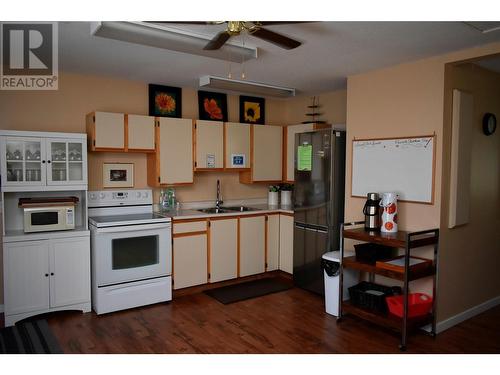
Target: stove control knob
[
  {"x": 92, "y": 196},
  {"x": 138, "y": 194},
  {"x": 145, "y": 194},
  {"x": 102, "y": 195}
]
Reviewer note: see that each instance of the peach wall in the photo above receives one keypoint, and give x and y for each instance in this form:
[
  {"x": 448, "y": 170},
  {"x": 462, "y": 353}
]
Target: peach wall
[
  {"x": 474, "y": 248},
  {"x": 404, "y": 100}
]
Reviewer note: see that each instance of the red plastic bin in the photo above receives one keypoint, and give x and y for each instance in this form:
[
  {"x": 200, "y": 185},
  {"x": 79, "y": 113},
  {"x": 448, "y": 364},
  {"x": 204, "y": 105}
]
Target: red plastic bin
[{"x": 419, "y": 304}]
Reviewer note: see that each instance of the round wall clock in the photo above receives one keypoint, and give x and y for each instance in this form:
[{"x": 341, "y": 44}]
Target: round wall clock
[{"x": 489, "y": 123}]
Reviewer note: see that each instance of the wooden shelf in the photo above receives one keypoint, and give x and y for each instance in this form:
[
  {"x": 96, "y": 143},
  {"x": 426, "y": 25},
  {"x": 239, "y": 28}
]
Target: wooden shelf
[
  {"x": 397, "y": 239},
  {"x": 351, "y": 262},
  {"x": 385, "y": 320}
]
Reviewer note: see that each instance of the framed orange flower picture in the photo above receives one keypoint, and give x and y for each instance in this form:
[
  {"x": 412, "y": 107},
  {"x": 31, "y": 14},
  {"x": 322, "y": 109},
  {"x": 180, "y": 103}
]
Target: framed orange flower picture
[
  {"x": 165, "y": 101},
  {"x": 212, "y": 106},
  {"x": 252, "y": 110}
]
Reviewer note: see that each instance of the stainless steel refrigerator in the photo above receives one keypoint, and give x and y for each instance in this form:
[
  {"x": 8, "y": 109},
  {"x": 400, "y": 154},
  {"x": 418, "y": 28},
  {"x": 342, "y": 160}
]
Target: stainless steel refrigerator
[{"x": 318, "y": 203}]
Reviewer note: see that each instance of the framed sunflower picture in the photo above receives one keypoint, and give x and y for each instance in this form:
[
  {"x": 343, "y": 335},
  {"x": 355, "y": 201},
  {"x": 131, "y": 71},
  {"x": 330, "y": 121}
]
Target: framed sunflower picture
[
  {"x": 165, "y": 101},
  {"x": 252, "y": 110},
  {"x": 212, "y": 106}
]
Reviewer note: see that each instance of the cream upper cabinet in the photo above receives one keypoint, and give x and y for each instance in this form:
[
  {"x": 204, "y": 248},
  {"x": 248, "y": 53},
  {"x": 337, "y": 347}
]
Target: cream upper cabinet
[
  {"x": 223, "y": 249},
  {"x": 141, "y": 133},
  {"x": 173, "y": 161},
  {"x": 190, "y": 260},
  {"x": 273, "y": 242},
  {"x": 267, "y": 159},
  {"x": 252, "y": 245},
  {"x": 209, "y": 145},
  {"x": 290, "y": 152},
  {"x": 237, "y": 145},
  {"x": 106, "y": 131},
  {"x": 286, "y": 243}
]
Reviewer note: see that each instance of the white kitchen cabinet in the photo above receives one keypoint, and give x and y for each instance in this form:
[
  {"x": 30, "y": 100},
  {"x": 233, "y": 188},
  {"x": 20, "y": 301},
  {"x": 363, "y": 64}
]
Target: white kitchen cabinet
[
  {"x": 70, "y": 271},
  {"x": 266, "y": 155},
  {"x": 66, "y": 162},
  {"x": 286, "y": 243},
  {"x": 209, "y": 145},
  {"x": 26, "y": 276},
  {"x": 106, "y": 131},
  {"x": 140, "y": 133},
  {"x": 172, "y": 163},
  {"x": 46, "y": 275},
  {"x": 189, "y": 260},
  {"x": 273, "y": 242},
  {"x": 42, "y": 160},
  {"x": 223, "y": 249},
  {"x": 252, "y": 245},
  {"x": 237, "y": 143}
]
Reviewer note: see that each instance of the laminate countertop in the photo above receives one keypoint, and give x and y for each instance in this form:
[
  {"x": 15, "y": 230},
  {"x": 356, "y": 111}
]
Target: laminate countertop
[{"x": 191, "y": 213}]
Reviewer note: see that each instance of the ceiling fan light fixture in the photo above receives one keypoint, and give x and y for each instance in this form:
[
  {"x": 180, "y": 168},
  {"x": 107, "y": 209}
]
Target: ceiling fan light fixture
[{"x": 247, "y": 87}]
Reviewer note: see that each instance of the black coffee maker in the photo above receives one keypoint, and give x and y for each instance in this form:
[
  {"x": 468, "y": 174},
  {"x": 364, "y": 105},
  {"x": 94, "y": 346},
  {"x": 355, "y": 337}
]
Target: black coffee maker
[{"x": 372, "y": 211}]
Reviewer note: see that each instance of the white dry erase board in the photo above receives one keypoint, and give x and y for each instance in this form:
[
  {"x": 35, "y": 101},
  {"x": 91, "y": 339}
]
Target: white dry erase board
[{"x": 402, "y": 165}]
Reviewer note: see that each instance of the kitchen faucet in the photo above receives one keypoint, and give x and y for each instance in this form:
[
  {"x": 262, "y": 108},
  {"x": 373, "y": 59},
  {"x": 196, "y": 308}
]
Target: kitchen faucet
[{"x": 219, "y": 200}]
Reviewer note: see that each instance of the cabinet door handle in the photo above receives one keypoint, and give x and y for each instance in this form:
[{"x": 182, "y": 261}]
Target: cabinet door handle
[
  {"x": 52, "y": 274},
  {"x": 48, "y": 161},
  {"x": 43, "y": 161},
  {"x": 46, "y": 275}
]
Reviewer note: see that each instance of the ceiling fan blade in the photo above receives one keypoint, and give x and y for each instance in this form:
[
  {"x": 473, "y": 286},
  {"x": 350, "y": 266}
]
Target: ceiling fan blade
[
  {"x": 275, "y": 38},
  {"x": 217, "y": 41}
]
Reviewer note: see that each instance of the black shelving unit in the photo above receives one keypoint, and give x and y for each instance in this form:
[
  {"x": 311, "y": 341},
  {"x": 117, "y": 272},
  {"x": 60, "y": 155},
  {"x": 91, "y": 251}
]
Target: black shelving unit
[{"x": 403, "y": 240}]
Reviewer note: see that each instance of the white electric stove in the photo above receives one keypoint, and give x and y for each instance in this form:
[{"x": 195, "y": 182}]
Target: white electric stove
[{"x": 131, "y": 250}]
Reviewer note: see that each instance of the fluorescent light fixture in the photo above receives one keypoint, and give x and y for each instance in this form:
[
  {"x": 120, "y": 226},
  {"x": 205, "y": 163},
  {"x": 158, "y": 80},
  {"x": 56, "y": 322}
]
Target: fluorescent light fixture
[
  {"x": 171, "y": 38},
  {"x": 248, "y": 87}
]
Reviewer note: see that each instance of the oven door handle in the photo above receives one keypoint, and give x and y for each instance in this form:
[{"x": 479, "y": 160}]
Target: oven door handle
[{"x": 133, "y": 228}]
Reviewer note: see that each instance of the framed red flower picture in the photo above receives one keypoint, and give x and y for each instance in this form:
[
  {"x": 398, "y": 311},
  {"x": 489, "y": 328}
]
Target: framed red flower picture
[
  {"x": 165, "y": 101},
  {"x": 212, "y": 106}
]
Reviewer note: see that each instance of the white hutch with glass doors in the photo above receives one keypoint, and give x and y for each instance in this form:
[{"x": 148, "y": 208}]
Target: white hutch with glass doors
[{"x": 43, "y": 271}]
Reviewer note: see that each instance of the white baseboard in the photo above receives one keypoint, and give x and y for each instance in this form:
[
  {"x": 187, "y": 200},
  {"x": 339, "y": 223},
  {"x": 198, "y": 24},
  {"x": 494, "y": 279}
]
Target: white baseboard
[{"x": 463, "y": 316}]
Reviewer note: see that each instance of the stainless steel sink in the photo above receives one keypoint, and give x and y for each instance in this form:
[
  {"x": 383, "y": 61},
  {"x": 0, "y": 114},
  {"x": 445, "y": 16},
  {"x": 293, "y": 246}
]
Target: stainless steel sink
[
  {"x": 241, "y": 208},
  {"x": 215, "y": 210}
]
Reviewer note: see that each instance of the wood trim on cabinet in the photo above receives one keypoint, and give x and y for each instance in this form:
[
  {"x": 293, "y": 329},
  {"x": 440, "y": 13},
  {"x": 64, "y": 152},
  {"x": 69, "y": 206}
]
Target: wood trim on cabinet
[
  {"x": 246, "y": 177},
  {"x": 284, "y": 154},
  {"x": 238, "y": 256},
  {"x": 125, "y": 130},
  {"x": 266, "y": 234},
  {"x": 190, "y": 234},
  {"x": 209, "y": 170},
  {"x": 286, "y": 214},
  {"x": 209, "y": 271},
  {"x": 193, "y": 135},
  {"x": 224, "y": 166},
  {"x": 180, "y": 221},
  {"x": 225, "y": 217},
  {"x": 153, "y": 160}
]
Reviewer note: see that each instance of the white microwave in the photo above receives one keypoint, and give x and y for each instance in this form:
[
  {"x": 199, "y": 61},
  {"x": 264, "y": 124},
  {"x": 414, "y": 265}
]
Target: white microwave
[{"x": 43, "y": 219}]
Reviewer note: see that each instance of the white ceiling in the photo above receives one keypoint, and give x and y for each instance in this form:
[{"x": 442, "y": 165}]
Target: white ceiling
[
  {"x": 492, "y": 63},
  {"x": 330, "y": 52}
]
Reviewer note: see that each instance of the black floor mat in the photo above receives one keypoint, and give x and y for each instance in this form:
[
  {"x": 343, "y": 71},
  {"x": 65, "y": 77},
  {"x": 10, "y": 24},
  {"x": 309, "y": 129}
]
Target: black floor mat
[
  {"x": 247, "y": 290},
  {"x": 29, "y": 338}
]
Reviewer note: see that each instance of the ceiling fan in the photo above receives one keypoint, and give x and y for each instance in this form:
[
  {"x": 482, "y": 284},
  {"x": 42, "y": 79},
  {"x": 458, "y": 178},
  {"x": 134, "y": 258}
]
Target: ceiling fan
[{"x": 254, "y": 28}]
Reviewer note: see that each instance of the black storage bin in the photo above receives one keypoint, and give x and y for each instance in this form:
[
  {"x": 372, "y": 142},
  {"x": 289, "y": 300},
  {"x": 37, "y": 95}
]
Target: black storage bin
[
  {"x": 362, "y": 295},
  {"x": 371, "y": 252}
]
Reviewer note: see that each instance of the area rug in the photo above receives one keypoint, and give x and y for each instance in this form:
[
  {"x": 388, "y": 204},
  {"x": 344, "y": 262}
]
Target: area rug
[
  {"x": 251, "y": 289},
  {"x": 29, "y": 338}
]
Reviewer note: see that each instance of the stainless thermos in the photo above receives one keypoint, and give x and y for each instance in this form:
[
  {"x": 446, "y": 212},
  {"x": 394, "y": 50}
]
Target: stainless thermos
[{"x": 372, "y": 212}]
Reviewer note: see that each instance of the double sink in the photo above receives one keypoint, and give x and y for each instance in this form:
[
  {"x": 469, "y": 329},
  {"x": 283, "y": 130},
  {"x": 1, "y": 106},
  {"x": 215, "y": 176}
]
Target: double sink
[{"x": 227, "y": 210}]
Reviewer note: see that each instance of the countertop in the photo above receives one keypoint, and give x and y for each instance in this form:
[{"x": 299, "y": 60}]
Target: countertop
[{"x": 191, "y": 213}]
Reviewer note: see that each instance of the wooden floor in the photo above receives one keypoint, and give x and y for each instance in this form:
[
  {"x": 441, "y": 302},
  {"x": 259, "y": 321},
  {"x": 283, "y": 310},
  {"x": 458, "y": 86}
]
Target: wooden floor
[{"x": 287, "y": 322}]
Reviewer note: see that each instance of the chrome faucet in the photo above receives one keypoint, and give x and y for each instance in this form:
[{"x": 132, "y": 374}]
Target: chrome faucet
[{"x": 219, "y": 200}]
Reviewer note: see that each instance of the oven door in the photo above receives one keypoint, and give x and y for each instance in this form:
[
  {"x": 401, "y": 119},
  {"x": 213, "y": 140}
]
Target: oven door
[{"x": 133, "y": 252}]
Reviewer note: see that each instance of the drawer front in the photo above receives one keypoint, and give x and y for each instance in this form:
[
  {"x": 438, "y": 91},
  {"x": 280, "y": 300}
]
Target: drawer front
[{"x": 190, "y": 226}]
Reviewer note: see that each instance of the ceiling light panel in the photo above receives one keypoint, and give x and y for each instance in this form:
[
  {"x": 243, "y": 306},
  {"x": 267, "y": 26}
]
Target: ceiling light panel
[
  {"x": 247, "y": 87},
  {"x": 170, "y": 38}
]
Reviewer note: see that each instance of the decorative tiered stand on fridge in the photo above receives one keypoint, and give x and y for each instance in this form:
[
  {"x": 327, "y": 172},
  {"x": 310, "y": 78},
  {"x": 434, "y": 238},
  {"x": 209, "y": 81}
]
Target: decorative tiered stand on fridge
[{"x": 402, "y": 240}]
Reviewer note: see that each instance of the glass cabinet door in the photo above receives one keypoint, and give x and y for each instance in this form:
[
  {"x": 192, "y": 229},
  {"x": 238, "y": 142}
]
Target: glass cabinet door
[
  {"x": 67, "y": 164},
  {"x": 23, "y": 161}
]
